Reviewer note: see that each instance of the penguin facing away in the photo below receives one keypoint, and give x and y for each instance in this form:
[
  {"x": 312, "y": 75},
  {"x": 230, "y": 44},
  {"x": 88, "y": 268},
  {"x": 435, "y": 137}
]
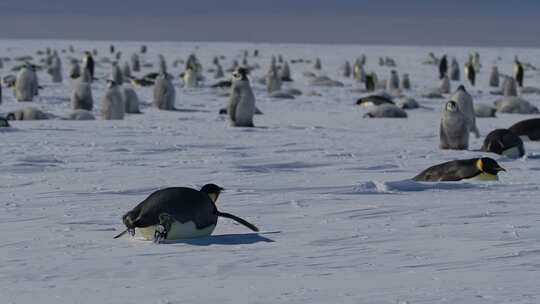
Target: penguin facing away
[
  {"x": 518, "y": 72},
  {"x": 164, "y": 93},
  {"x": 81, "y": 97},
  {"x": 443, "y": 67},
  {"x": 504, "y": 142},
  {"x": 178, "y": 213},
  {"x": 112, "y": 104},
  {"x": 484, "y": 168}
]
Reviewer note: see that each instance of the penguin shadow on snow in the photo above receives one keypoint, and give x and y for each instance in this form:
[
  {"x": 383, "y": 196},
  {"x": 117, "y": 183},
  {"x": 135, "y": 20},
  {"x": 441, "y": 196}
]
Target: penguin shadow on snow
[{"x": 226, "y": 239}]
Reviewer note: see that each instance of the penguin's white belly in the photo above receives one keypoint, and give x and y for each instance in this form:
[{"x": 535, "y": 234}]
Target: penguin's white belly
[
  {"x": 486, "y": 177},
  {"x": 512, "y": 152},
  {"x": 178, "y": 231}
]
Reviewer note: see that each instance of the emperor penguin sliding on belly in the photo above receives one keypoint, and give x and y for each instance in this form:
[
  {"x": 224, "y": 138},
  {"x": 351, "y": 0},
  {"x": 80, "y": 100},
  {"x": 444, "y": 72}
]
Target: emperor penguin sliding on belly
[{"x": 178, "y": 213}]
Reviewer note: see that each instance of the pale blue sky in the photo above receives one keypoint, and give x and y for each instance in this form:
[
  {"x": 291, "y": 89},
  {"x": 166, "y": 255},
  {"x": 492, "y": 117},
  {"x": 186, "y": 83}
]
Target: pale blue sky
[{"x": 413, "y": 22}]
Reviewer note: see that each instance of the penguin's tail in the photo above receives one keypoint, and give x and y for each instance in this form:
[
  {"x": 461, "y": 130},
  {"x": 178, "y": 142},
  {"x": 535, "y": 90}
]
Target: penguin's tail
[{"x": 237, "y": 219}]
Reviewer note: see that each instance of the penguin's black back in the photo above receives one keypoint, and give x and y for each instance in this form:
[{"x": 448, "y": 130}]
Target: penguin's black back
[
  {"x": 183, "y": 204},
  {"x": 528, "y": 127},
  {"x": 500, "y": 140},
  {"x": 455, "y": 170}
]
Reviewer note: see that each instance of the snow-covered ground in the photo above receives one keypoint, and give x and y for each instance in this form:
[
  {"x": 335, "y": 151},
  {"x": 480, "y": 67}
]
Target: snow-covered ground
[{"x": 339, "y": 221}]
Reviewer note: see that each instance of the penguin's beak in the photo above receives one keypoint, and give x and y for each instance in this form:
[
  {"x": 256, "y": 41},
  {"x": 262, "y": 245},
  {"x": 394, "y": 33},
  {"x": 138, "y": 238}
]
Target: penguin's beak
[{"x": 498, "y": 169}]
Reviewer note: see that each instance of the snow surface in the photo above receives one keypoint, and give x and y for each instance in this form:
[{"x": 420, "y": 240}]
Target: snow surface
[{"x": 340, "y": 221}]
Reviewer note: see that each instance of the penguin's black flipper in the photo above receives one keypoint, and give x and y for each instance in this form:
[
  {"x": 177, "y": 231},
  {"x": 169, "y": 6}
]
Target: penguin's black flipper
[
  {"x": 239, "y": 220},
  {"x": 120, "y": 234}
]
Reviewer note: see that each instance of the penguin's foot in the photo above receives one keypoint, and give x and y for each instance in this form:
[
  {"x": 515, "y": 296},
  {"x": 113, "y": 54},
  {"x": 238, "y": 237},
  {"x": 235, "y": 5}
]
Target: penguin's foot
[
  {"x": 131, "y": 231},
  {"x": 160, "y": 234}
]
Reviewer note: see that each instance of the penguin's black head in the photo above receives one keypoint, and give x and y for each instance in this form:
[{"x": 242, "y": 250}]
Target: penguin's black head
[
  {"x": 461, "y": 88},
  {"x": 240, "y": 74},
  {"x": 451, "y": 106},
  {"x": 10, "y": 116},
  {"x": 212, "y": 190},
  {"x": 489, "y": 165}
]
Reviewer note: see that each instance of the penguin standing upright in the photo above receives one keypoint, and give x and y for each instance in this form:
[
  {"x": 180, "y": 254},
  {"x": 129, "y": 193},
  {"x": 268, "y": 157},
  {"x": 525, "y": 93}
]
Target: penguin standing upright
[
  {"x": 494, "y": 77},
  {"x": 471, "y": 74},
  {"x": 190, "y": 78},
  {"x": 466, "y": 106},
  {"x": 81, "y": 97},
  {"x": 285, "y": 72},
  {"x": 405, "y": 82},
  {"x": 26, "y": 85},
  {"x": 55, "y": 68},
  {"x": 135, "y": 62},
  {"x": 131, "y": 101},
  {"x": 358, "y": 71},
  {"x": 443, "y": 67},
  {"x": 126, "y": 71},
  {"x": 317, "y": 65},
  {"x": 509, "y": 87},
  {"x": 74, "y": 70},
  {"x": 446, "y": 86},
  {"x": 393, "y": 83},
  {"x": 164, "y": 93},
  {"x": 347, "y": 69},
  {"x": 116, "y": 75},
  {"x": 518, "y": 72},
  {"x": 219, "y": 72},
  {"x": 242, "y": 101},
  {"x": 88, "y": 64},
  {"x": 454, "y": 70},
  {"x": 178, "y": 213},
  {"x": 273, "y": 81},
  {"x": 454, "y": 129},
  {"x": 112, "y": 104}
]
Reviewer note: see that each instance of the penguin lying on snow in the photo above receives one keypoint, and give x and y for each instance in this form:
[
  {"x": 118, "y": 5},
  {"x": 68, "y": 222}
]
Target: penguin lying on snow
[
  {"x": 504, "y": 142},
  {"x": 178, "y": 213},
  {"x": 484, "y": 168},
  {"x": 529, "y": 128},
  {"x": 386, "y": 111},
  {"x": 374, "y": 100}
]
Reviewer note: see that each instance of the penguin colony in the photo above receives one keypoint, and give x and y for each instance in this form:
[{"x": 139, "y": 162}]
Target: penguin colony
[{"x": 181, "y": 212}]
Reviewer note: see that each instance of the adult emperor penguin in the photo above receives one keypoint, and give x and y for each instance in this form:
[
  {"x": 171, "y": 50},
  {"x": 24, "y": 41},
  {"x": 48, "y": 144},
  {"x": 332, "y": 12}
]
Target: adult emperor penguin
[
  {"x": 527, "y": 129},
  {"x": 190, "y": 77},
  {"x": 242, "y": 101},
  {"x": 219, "y": 72},
  {"x": 178, "y": 213},
  {"x": 26, "y": 84},
  {"x": 454, "y": 70},
  {"x": 518, "y": 72},
  {"x": 164, "y": 93},
  {"x": 88, "y": 63},
  {"x": 112, "y": 104},
  {"x": 470, "y": 73},
  {"x": 454, "y": 129},
  {"x": 81, "y": 97},
  {"x": 484, "y": 168},
  {"x": 466, "y": 105},
  {"x": 443, "y": 67},
  {"x": 494, "y": 77},
  {"x": 504, "y": 142}
]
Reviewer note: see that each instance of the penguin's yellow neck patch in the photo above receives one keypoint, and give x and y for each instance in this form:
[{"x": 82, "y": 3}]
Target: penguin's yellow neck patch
[
  {"x": 480, "y": 165},
  {"x": 486, "y": 177}
]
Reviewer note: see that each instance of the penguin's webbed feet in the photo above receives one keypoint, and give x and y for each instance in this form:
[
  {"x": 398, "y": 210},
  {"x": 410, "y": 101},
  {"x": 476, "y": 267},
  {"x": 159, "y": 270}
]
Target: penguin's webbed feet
[
  {"x": 160, "y": 234},
  {"x": 131, "y": 231}
]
